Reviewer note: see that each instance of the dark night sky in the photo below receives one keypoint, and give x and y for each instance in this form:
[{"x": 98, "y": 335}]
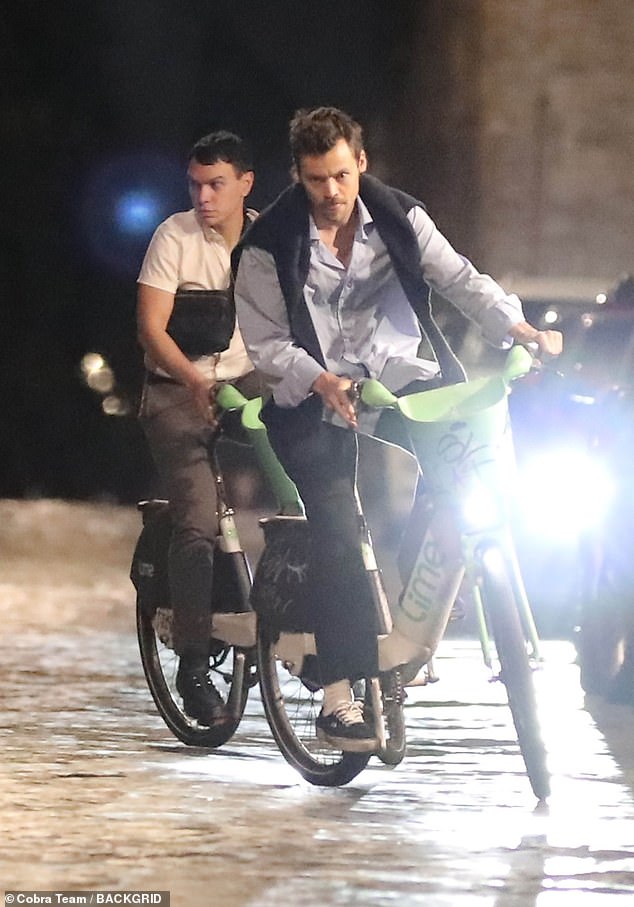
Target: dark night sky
[{"x": 102, "y": 100}]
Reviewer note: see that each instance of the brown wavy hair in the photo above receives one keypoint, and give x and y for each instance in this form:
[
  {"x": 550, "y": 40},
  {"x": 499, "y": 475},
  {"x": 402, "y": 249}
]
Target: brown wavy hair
[{"x": 317, "y": 131}]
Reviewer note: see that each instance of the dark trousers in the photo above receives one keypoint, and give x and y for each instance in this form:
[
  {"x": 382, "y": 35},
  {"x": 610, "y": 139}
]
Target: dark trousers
[
  {"x": 322, "y": 461},
  {"x": 179, "y": 440}
]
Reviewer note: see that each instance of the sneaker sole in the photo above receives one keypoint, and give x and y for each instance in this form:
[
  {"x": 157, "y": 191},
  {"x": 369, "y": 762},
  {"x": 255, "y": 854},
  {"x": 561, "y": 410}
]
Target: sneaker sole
[
  {"x": 347, "y": 744},
  {"x": 208, "y": 720}
]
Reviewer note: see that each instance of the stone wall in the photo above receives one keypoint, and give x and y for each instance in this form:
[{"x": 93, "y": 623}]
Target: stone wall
[{"x": 525, "y": 109}]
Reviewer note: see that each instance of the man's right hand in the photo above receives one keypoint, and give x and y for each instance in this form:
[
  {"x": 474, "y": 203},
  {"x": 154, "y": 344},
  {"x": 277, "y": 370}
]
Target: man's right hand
[
  {"x": 203, "y": 393},
  {"x": 333, "y": 390}
]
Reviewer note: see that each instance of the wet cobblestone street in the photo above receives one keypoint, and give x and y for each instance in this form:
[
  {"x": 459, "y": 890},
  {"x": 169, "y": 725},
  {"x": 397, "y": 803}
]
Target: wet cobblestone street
[{"x": 97, "y": 794}]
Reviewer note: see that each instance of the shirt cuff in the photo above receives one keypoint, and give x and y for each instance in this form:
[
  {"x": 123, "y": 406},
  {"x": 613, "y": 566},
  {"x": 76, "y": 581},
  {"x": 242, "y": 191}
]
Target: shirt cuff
[
  {"x": 297, "y": 385},
  {"x": 495, "y": 322}
]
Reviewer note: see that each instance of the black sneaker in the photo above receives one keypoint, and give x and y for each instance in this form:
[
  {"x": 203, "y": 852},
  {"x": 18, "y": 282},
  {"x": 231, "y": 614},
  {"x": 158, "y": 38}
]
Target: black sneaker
[
  {"x": 201, "y": 700},
  {"x": 346, "y": 730}
]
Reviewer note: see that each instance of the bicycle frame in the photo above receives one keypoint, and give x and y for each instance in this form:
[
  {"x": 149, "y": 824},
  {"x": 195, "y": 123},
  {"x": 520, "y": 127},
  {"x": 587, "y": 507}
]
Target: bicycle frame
[{"x": 461, "y": 438}]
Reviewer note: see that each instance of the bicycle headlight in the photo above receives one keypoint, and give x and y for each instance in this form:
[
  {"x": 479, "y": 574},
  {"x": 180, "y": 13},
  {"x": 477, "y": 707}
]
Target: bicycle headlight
[{"x": 481, "y": 509}]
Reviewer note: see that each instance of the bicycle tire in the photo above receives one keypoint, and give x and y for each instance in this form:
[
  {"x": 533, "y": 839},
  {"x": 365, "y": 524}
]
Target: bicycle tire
[
  {"x": 601, "y": 638},
  {"x": 160, "y": 665},
  {"x": 291, "y": 707},
  {"x": 515, "y": 670}
]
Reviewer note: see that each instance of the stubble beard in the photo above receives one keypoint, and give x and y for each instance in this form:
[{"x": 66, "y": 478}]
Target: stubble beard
[{"x": 335, "y": 215}]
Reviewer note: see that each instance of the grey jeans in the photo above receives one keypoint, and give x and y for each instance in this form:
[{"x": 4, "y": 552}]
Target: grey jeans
[{"x": 178, "y": 438}]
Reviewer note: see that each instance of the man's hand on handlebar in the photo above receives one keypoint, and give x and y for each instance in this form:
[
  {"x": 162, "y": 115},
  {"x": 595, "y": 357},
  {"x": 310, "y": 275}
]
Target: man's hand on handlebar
[
  {"x": 549, "y": 343},
  {"x": 336, "y": 394}
]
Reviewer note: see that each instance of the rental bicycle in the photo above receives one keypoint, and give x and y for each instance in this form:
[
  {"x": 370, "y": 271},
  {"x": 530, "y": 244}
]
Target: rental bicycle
[
  {"x": 460, "y": 436},
  {"x": 231, "y": 618}
]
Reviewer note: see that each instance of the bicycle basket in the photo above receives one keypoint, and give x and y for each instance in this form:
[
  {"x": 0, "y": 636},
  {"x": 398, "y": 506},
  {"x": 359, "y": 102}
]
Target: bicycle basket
[{"x": 461, "y": 435}]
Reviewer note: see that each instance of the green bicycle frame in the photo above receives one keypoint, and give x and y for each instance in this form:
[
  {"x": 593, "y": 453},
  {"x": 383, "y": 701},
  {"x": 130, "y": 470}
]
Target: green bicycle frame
[{"x": 462, "y": 441}]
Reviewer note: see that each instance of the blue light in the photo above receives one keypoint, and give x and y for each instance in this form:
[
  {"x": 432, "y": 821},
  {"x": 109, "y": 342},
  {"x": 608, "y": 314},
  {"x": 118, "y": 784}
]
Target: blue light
[
  {"x": 136, "y": 191},
  {"x": 137, "y": 212}
]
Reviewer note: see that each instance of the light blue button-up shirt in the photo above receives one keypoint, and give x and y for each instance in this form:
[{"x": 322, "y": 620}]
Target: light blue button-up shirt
[{"x": 364, "y": 322}]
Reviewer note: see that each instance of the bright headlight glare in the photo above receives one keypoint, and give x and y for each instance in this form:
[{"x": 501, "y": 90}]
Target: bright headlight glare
[
  {"x": 480, "y": 510},
  {"x": 564, "y": 492}
]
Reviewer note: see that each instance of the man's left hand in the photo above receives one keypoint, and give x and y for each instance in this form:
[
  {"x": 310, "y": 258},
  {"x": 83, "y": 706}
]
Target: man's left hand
[{"x": 550, "y": 343}]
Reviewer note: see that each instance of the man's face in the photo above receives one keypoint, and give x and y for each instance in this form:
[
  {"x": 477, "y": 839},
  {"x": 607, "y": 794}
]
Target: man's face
[
  {"x": 332, "y": 183},
  {"x": 217, "y": 191}
]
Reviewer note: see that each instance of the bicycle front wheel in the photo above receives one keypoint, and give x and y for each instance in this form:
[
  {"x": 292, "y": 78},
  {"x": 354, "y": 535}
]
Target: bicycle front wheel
[
  {"x": 291, "y": 705},
  {"x": 515, "y": 670},
  {"x": 230, "y": 668}
]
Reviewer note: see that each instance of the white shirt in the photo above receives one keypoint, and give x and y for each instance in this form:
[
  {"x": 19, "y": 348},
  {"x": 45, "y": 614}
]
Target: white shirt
[
  {"x": 183, "y": 254},
  {"x": 364, "y": 322}
]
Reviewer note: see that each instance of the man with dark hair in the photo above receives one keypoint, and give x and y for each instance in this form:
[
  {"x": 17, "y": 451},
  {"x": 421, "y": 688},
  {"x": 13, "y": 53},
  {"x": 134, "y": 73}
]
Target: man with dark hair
[
  {"x": 332, "y": 286},
  {"x": 186, "y": 326},
  {"x": 224, "y": 147},
  {"x": 313, "y": 133}
]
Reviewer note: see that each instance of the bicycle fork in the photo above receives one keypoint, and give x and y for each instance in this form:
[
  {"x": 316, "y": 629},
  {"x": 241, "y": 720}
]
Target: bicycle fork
[{"x": 521, "y": 602}]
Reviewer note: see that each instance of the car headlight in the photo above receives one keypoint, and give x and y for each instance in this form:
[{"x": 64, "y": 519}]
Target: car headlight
[{"x": 564, "y": 492}]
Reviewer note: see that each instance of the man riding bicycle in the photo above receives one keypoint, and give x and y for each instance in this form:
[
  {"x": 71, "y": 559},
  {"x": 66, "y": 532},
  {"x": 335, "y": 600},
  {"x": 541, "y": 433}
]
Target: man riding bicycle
[
  {"x": 331, "y": 286},
  {"x": 187, "y": 329}
]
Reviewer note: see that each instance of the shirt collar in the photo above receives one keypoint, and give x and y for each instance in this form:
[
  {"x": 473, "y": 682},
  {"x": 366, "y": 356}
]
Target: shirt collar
[
  {"x": 209, "y": 233},
  {"x": 212, "y": 235},
  {"x": 365, "y": 221}
]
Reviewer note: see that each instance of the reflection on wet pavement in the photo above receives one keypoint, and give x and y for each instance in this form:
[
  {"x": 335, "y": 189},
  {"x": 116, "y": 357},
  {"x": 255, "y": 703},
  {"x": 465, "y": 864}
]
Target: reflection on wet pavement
[{"x": 97, "y": 794}]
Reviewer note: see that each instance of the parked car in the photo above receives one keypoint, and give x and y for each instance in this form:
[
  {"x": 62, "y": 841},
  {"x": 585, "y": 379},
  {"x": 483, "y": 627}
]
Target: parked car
[{"x": 573, "y": 426}]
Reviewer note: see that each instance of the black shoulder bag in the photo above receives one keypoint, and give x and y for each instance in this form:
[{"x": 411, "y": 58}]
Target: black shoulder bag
[{"x": 202, "y": 321}]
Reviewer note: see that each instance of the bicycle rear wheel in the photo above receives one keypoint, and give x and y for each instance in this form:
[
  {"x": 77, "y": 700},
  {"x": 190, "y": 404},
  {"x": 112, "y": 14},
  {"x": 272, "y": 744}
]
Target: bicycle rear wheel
[
  {"x": 291, "y": 706},
  {"x": 230, "y": 667},
  {"x": 515, "y": 670}
]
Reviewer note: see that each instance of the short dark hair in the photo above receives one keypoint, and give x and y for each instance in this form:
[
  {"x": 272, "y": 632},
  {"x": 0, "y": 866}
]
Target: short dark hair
[
  {"x": 222, "y": 146},
  {"x": 317, "y": 131}
]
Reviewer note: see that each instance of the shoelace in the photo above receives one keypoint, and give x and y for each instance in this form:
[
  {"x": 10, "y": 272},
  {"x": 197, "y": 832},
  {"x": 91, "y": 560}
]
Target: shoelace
[{"x": 349, "y": 712}]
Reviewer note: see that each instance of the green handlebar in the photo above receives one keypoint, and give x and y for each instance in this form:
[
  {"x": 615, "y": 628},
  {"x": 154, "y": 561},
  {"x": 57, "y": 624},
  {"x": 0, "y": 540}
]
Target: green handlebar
[
  {"x": 518, "y": 363},
  {"x": 454, "y": 401},
  {"x": 375, "y": 394}
]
